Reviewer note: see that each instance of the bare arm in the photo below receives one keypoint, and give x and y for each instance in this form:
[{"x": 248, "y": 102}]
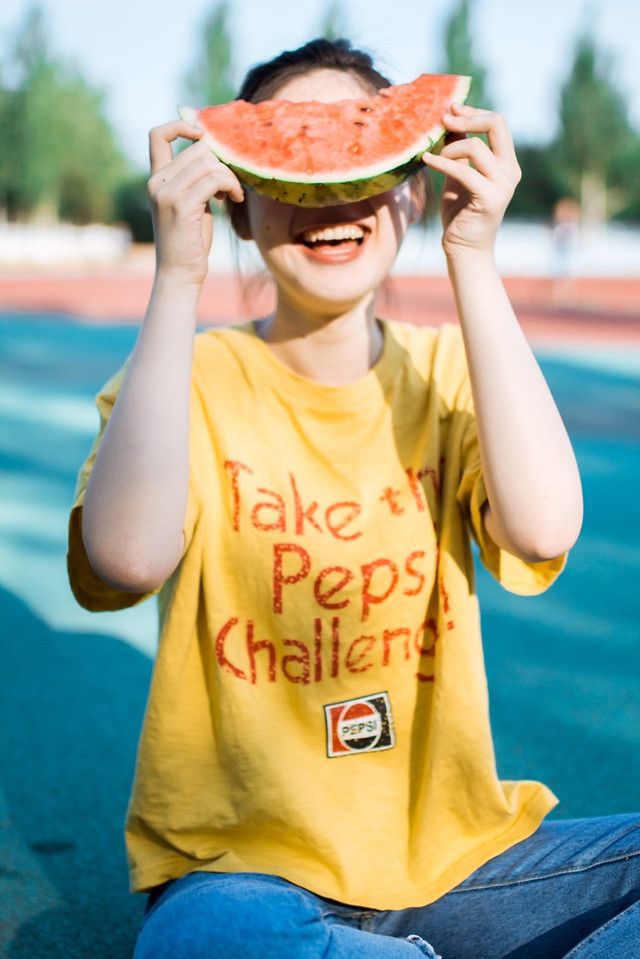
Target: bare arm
[
  {"x": 136, "y": 499},
  {"x": 532, "y": 480}
]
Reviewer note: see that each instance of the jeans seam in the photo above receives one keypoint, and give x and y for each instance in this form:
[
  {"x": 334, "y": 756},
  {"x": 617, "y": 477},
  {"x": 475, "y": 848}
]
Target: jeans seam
[
  {"x": 595, "y": 935},
  {"x": 363, "y": 918},
  {"x": 537, "y": 877}
]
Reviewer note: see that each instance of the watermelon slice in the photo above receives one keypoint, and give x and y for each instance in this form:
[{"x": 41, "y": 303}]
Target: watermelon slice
[{"x": 315, "y": 154}]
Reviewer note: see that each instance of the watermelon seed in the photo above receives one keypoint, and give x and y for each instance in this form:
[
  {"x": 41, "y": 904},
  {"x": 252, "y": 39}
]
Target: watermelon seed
[
  {"x": 359, "y": 123},
  {"x": 365, "y": 109}
]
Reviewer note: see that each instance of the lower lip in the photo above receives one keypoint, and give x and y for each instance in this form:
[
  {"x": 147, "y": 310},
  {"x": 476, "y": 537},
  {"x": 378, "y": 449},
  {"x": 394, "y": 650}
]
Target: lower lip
[{"x": 341, "y": 253}]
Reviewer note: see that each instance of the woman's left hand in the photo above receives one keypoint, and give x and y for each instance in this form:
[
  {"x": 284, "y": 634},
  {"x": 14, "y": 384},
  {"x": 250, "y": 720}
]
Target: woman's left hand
[{"x": 480, "y": 178}]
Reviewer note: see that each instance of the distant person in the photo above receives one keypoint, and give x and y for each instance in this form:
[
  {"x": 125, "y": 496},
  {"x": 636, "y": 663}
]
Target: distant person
[
  {"x": 565, "y": 234},
  {"x": 316, "y": 776}
]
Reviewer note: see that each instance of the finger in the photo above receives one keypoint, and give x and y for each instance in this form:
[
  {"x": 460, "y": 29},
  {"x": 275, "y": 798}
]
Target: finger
[
  {"x": 200, "y": 179},
  {"x": 464, "y": 119},
  {"x": 216, "y": 182},
  {"x": 181, "y": 160},
  {"x": 475, "y": 152},
  {"x": 492, "y": 164},
  {"x": 190, "y": 166},
  {"x": 464, "y": 110},
  {"x": 168, "y": 171},
  {"x": 464, "y": 174},
  {"x": 161, "y": 138}
]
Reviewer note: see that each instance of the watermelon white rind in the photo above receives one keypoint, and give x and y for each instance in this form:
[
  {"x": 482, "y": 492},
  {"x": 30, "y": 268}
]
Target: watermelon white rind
[{"x": 319, "y": 154}]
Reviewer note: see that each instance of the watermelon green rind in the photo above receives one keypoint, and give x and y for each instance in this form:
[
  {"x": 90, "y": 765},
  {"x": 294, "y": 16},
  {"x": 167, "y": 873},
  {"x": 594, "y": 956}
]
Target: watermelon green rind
[
  {"x": 326, "y": 194},
  {"x": 330, "y": 184}
]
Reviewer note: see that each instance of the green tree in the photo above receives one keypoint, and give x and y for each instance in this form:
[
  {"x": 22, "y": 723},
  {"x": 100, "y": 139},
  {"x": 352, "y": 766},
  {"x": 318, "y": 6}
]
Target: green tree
[
  {"x": 212, "y": 80},
  {"x": 24, "y": 66},
  {"x": 334, "y": 25},
  {"x": 132, "y": 208},
  {"x": 595, "y": 150},
  {"x": 460, "y": 56},
  {"x": 8, "y": 156},
  {"x": 92, "y": 166},
  {"x": 631, "y": 210},
  {"x": 61, "y": 157},
  {"x": 538, "y": 191}
]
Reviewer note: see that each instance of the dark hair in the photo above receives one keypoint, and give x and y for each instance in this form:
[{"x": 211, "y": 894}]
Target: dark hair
[{"x": 263, "y": 81}]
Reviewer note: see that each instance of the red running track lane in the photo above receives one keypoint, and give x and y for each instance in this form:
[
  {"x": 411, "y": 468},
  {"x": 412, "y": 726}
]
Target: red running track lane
[{"x": 587, "y": 309}]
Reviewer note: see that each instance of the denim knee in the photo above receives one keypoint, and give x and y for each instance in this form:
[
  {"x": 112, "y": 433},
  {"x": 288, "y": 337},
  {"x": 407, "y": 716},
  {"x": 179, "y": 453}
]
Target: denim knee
[
  {"x": 244, "y": 915},
  {"x": 235, "y": 916}
]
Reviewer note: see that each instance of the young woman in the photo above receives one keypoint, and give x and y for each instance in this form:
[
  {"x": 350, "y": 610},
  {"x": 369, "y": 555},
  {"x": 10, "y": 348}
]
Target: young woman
[{"x": 315, "y": 774}]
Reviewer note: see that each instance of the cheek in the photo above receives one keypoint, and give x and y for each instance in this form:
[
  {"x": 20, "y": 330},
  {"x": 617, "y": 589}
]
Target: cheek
[
  {"x": 397, "y": 205},
  {"x": 402, "y": 206},
  {"x": 268, "y": 219}
]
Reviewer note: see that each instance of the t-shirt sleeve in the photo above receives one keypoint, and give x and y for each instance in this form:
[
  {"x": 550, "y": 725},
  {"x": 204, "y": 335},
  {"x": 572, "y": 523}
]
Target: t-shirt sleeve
[
  {"x": 515, "y": 574},
  {"x": 88, "y": 588}
]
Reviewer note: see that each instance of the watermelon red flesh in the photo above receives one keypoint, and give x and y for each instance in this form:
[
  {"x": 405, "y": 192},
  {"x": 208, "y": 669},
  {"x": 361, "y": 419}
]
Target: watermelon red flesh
[{"x": 315, "y": 153}]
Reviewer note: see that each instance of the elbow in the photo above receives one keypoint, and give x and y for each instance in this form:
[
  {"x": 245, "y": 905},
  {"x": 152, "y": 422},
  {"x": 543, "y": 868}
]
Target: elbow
[
  {"x": 548, "y": 538},
  {"x": 542, "y": 548},
  {"x": 127, "y": 569},
  {"x": 558, "y": 532},
  {"x": 124, "y": 575}
]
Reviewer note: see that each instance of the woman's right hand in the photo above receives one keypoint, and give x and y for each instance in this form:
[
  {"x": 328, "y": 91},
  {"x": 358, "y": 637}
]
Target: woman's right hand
[{"x": 180, "y": 188}]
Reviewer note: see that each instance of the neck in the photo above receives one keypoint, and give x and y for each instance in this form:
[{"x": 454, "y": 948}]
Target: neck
[{"x": 332, "y": 348}]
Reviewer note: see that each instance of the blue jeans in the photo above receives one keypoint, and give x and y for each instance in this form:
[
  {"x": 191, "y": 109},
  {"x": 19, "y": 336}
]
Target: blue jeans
[{"x": 571, "y": 891}]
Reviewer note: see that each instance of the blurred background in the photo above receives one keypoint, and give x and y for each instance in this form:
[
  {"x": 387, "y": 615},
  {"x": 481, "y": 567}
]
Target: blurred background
[{"x": 80, "y": 85}]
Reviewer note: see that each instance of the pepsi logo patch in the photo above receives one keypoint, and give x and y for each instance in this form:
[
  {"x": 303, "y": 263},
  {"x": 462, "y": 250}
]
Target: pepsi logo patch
[{"x": 359, "y": 725}]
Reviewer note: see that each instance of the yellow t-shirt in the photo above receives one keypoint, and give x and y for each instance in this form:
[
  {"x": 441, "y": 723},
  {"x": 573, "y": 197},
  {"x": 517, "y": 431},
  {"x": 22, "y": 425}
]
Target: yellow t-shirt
[{"x": 318, "y": 708}]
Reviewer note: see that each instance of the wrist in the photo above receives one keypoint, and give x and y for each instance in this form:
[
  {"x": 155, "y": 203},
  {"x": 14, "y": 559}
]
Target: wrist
[
  {"x": 173, "y": 303},
  {"x": 176, "y": 285},
  {"x": 462, "y": 260}
]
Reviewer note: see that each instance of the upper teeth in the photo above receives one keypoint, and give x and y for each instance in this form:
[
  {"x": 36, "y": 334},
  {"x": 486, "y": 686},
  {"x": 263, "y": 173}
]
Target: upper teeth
[{"x": 324, "y": 234}]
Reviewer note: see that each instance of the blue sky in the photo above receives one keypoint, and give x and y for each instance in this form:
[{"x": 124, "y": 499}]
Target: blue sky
[{"x": 138, "y": 52}]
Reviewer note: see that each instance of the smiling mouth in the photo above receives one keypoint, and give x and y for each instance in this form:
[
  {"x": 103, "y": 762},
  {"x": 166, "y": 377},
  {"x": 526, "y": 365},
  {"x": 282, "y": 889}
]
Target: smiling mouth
[{"x": 343, "y": 235}]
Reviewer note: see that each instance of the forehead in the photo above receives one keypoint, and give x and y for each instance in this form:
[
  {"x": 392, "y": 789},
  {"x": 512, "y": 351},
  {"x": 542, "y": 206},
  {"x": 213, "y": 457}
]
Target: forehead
[{"x": 324, "y": 85}]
